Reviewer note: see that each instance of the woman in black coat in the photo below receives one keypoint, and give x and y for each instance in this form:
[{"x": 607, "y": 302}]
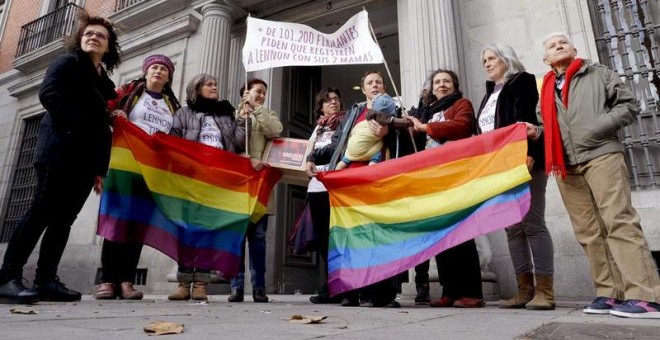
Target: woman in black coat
[
  {"x": 73, "y": 150},
  {"x": 511, "y": 97}
]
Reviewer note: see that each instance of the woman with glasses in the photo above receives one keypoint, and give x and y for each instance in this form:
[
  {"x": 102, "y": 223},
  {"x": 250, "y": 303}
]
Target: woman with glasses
[
  {"x": 209, "y": 121},
  {"x": 73, "y": 150},
  {"x": 329, "y": 111}
]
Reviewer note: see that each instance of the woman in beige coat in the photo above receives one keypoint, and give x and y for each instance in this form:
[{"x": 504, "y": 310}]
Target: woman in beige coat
[{"x": 264, "y": 125}]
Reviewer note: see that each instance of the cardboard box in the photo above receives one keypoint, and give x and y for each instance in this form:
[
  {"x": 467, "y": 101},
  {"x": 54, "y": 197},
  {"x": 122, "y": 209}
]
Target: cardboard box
[{"x": 289, "y": 155}]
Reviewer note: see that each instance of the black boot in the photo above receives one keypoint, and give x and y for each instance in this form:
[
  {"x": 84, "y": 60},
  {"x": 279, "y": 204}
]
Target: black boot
[
  {"x": 259, "y": 295},
  {"x": 423, "y": 295},
  {"x": 324, "y": 297},
  {"x": 54, "y": 290},
  {"x": 350, "y": 300},
  {"x": 14, "y": 292},
  {"x": 236, "y": 295}
]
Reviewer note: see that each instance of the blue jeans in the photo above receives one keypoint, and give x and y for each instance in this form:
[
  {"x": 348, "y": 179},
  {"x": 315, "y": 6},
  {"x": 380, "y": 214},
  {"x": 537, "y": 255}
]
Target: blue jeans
[{"x": 256, "y": 237}]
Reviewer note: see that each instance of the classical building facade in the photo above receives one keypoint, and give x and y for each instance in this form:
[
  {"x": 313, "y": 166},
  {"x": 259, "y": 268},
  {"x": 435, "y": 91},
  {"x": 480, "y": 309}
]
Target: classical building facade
[{"x": 416, "y": 36}]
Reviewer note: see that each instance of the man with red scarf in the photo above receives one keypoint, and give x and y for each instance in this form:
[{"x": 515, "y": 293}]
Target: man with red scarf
[{"x": 583, "y": 106}]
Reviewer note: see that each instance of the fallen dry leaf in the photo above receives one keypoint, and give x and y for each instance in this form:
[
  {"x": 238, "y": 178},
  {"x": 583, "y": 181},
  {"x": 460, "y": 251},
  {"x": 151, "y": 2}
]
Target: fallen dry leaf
[
  {"x": 163, "y": 327},
  {"x": 20, "y": 311},
  {"x": 306, "y": 318}
]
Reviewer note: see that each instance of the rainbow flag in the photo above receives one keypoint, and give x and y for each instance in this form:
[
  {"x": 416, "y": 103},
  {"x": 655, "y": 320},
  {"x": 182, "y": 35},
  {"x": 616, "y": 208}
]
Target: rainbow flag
[
  {"x": 390, "y": 217},
  {"x": 190, "y": 201}
]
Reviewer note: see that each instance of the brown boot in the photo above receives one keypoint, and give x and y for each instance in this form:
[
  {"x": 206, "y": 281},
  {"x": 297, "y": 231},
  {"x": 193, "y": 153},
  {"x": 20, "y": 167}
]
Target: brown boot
[
  {"x": 128, "y": 292},
  {"x": 106, "y": 291},
  {"x": 199, "y": 291},
  {"x": 545, "y": 294},
  {"x": 181, "y": 293},
  {"x": 525, "y": 292}
]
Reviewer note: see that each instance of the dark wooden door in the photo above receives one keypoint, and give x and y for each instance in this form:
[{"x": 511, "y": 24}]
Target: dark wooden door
[{"x": 295, "y": 272}]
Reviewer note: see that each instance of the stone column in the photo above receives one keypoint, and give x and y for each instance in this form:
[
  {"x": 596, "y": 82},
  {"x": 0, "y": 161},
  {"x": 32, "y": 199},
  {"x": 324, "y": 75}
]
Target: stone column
[
  {"x": 217, "y": 19},
  {"x": 428, "y": 40},
  {"x": 236, "y": 70}
]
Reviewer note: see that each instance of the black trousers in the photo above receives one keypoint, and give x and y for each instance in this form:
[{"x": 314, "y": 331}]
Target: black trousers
[
  {"x": 319, "y": 208},
  {"x": 459, "y": 271},
  {"x": 60, "y": 194},
  {"x": 119, "y": 261},
  {"x": 380, "y": 293}
]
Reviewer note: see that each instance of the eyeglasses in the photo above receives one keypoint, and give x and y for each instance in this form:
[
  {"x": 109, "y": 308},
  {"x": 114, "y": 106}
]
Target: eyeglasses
[
  {"x": 331, "y": 99},
  {"x": 89, "y": 34}
]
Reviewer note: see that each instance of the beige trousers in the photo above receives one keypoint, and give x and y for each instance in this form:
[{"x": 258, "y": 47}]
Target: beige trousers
[{"x": 597, "y": 196}]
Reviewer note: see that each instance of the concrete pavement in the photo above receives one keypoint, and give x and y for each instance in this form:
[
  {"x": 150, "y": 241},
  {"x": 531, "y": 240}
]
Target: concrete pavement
[{"x": 92, "y": 319}]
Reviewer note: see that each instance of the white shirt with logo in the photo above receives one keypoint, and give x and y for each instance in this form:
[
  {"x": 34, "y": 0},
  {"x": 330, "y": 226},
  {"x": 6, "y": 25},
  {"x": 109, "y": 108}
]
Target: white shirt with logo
[
  {"x": 210, "y": 134},
  {"x": 151, "y": 114},
  {"x": 487, "y": 117},
  {"x": 437, "y": 117},
  {"x": 320, "y": 141}
]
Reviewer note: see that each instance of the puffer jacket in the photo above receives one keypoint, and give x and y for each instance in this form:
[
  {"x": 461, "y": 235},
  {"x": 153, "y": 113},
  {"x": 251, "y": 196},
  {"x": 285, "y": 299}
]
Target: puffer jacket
[
  {"x": 599, "y": 105},
  {"x": 187, "y": 124}
]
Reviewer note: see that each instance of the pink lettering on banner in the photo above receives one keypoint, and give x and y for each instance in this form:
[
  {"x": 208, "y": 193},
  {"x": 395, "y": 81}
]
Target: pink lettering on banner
[{"x": 276, "y": 44}]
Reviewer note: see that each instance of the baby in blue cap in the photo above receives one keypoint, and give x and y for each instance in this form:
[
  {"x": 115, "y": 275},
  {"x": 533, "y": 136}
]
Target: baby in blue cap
[{"x": 363, "y": 145}]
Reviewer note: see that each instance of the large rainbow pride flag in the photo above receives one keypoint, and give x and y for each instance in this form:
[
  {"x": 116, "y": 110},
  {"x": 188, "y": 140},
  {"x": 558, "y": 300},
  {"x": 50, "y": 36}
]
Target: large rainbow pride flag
[
  {"x": 188, "y": 200},
  {"x": 390, "y": 217}
]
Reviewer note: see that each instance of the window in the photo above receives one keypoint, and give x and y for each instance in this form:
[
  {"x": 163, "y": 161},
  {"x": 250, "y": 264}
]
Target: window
[
  {"x": 46, "y": 29},
  {"x": 2, "y": 9},
  {"x": 61, "y": 3},
  {"x": 24, "y": 181},
  {"x": 2, "y": 16}
]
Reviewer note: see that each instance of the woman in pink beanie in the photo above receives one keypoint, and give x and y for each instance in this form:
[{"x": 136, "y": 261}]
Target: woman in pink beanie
[{"x": 149, "y": 103}]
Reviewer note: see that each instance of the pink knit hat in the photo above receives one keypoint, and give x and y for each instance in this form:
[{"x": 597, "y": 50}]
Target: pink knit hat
[{"x": 161, "y": 60}]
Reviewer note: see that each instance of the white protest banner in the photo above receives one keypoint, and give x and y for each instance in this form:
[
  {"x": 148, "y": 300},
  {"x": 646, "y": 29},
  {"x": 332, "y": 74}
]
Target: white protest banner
[{"x": 271, "y": 44}]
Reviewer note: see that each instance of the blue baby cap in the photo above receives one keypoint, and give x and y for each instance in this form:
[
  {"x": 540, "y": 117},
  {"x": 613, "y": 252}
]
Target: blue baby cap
[{"x": 384, "y": 103}]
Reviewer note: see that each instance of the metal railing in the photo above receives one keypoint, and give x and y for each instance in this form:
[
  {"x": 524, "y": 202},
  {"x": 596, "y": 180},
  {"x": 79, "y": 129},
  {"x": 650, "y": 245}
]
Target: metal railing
[
  {"x": 48, "y": 28},
  {"x": 24, "y": 182},
  {"x": 626, "y": 37},
  {"x": 121, "y": 4}
]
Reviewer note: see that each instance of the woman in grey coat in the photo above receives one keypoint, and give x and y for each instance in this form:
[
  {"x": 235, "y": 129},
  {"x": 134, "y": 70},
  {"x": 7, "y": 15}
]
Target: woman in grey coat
[{"x": 209, "y": 121}]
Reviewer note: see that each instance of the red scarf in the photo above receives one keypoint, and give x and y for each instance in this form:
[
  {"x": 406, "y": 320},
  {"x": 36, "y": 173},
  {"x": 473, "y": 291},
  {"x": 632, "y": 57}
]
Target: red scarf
[
  {"x": 332, "y": 121},
  {"x": 554, "y": 148}
]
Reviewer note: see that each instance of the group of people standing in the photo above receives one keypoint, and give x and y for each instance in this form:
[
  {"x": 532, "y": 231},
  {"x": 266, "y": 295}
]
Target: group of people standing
[
  {"x": 73, "y": 155},
  {"x": 572, "y": 132}
]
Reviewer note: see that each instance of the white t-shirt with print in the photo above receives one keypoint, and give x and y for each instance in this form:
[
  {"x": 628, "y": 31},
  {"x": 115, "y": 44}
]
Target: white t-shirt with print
[
  {"x": 437, "y": 117},
  {"x": 210, "y": 134},
  {"x": 487, "y": 117},
  {"x": 151, "y": 114},
  {"x": 320, "y": 141}
]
